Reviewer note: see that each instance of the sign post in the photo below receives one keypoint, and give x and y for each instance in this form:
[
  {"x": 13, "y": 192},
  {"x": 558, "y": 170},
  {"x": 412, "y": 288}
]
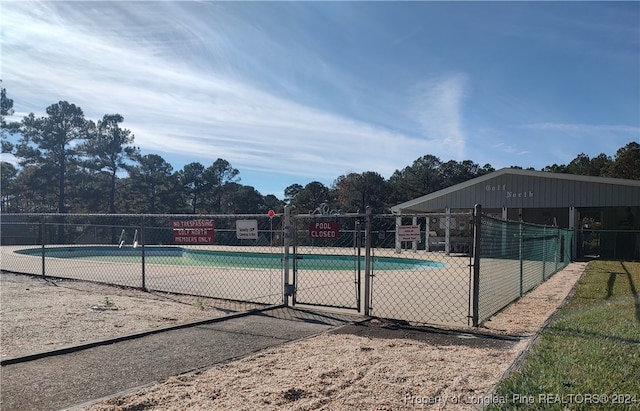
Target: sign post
[{"x": 271, "y": 215}]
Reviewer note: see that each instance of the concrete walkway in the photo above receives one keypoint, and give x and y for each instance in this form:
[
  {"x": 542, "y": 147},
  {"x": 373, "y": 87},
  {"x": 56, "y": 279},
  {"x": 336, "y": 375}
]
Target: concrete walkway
[{"x": 60, "y": 380}]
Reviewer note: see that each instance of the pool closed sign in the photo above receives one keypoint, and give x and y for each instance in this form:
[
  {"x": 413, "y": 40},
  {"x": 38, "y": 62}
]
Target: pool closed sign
[
  {"x": 193, "y": 231},
  {"x": 324, "y": 229}
]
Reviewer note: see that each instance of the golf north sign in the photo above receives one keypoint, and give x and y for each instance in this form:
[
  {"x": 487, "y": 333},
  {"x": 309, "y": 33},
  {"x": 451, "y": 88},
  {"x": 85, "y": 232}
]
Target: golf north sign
[{"x": 324, "y": 229}]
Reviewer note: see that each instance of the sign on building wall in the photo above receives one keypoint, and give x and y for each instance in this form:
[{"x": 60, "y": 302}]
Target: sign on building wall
[{"x": 193, "y": 231}]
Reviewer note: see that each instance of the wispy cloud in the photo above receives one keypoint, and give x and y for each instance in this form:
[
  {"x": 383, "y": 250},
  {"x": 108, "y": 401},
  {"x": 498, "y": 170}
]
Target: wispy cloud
[
  {"x": 176, "y": 109},
  {"x": 438, "y": 108},
  {"x": 289, "y": 89},
  {"x": 585, "y": 128},
  {"x": 509, "y": 149}
]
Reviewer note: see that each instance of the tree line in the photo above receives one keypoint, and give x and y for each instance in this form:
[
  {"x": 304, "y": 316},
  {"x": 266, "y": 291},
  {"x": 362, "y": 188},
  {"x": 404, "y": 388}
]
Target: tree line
[{"x": 70, "y": 164}]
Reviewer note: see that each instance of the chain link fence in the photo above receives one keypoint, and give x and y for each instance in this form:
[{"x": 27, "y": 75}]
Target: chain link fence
[
  {"x": 434, "y": 288},
  {"x": 227, "y": 257},
  {"x": 454, "y": 268},
  {"x": 513, "y": 258},
  {"x": 328, "y": 260}
]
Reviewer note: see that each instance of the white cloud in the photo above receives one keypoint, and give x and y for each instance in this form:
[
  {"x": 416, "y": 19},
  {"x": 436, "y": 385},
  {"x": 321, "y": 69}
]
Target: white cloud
[
  {"x": 509, "y": 149},
  {"x": 438, "y": 105},
  {"x": 178, "y": 110}
]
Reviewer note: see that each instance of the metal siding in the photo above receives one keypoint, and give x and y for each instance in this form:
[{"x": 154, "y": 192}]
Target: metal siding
[
  {"x": 491, "y": 193},
  {"x": 603, "y": 195},
  {"x": 455, "y": 198},
  {"x": 508, "y": 182},
  {"x": 567, "y": 193},
  {"x": 632, "y": 198},
  {"x": 480, "y": 195},
  {"x": 540, "y": 192},
  {"x": 554, "y": 193},
  {"x": 465, "y": 197},
  {"x": 608, "y": 194},
  {"x": 592, "y": 192},
  {"x": 545, "y": 191},
  {"x": 525, "y": 191},
  {"x": 518, "y": 190},
  {"x": 589, "y": 193},
  {"x": 570, "y": 193}
]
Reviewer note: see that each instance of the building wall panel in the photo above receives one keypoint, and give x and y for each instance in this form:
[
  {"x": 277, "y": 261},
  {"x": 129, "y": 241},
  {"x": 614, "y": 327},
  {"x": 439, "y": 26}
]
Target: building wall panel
[
  {"x": 533, "y": 193},
  {"x": 527, "y": 189}
]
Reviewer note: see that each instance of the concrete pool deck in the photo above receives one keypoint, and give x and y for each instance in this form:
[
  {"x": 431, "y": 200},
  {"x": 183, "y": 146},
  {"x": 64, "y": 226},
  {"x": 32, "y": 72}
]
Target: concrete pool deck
[
  {"x": 411, "y": 295},
  {"x": 431, "y": 295}
]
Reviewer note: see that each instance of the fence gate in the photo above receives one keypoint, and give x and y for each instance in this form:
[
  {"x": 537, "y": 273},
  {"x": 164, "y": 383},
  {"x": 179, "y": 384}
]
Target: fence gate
[
  {"x": 327, "y": 259},
  {"x": 421, "y": 266},
  {"x": 410, "y": 267}
]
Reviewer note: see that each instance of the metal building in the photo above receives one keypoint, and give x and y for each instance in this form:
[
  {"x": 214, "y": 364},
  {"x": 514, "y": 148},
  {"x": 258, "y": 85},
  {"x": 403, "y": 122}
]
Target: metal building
[{"x": 605, "y": 212}]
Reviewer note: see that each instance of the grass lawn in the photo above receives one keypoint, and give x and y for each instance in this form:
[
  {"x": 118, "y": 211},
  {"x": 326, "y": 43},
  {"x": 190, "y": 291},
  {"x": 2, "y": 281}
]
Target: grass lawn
[{"x": 589, "y": 357}]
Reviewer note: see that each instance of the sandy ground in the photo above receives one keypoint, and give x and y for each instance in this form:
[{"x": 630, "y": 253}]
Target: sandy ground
[
  {"x": 331, "y": 371},
  {"x": 40, "y": 315}
]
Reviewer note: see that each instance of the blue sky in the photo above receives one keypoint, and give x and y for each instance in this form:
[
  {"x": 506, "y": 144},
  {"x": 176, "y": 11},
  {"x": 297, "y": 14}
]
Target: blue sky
[{"x": 294, "y": 92}]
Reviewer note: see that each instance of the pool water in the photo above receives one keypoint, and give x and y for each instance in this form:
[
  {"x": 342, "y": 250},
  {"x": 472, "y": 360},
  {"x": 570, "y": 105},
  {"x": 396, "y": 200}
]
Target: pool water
[{"x": 188, "y": 257}]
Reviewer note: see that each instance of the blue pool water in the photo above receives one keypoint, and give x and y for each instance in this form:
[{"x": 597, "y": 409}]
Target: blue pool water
[{"x": 190, "y": 257}]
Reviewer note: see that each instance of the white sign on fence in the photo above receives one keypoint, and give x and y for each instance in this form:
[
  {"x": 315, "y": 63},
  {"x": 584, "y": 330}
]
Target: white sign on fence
[
  {"x": 247, "y": 229},
  {"x": 409, "y": 233}
]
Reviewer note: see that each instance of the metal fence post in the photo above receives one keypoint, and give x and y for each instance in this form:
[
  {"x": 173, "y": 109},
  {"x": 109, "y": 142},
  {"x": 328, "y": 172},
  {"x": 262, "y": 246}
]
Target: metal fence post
[
  {"x": 43, "y": 241},
  {"x": 285, "y": 260},
  {"x": 558, "y": 248},
  {"x": 357, "y": 244},
  {"x": 521, "y": 257},
  {"x": 544, "y": 253},
  {"x": 477, "y": 230},
  {"x": 397, "y": 231},
  {"x": 144, "y": 276},
  {"x": 367, "y": 262},
  {"x": 447, "y": 231},
  {"x": 414, "y": 244}
]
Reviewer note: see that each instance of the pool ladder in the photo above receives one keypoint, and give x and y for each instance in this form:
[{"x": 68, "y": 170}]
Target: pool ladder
[{"x": 135, "y": 239}]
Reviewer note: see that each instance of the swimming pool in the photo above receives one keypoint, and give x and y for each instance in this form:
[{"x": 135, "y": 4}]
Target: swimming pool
[{"x": 231, "y": 259}]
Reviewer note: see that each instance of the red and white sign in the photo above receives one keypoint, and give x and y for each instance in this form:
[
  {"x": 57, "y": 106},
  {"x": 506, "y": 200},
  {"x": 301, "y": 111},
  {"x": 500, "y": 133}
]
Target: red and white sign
[
  {"x": 193, "y": 231},
  {"x": 324, "y": 229},
  {"x": 409, "y": 233}
]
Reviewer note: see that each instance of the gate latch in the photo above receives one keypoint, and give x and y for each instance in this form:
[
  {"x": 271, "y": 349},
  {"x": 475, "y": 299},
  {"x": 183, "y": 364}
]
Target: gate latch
[{"x": 289, "y": 289}]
